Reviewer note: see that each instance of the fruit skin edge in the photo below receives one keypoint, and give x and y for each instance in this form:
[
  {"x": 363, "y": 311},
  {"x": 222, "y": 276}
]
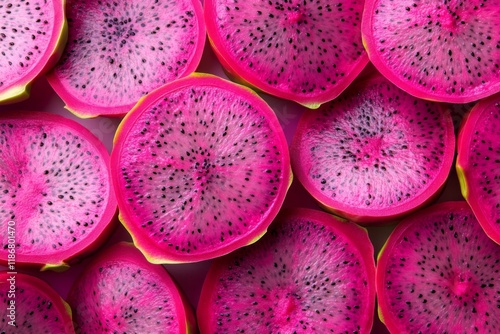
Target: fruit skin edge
[
  {"x": 21, "y": 91},
  {"x": 161, "y": 256}
]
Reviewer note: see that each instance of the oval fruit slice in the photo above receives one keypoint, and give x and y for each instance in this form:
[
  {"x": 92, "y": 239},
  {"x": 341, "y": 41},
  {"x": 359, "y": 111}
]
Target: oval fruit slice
[{"x": 445, "y": 51}]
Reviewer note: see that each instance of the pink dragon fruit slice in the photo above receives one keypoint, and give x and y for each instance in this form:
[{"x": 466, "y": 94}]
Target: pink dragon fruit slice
[
  {"x": 307, "y": 52},
  {"x": 32, "y": 36},
  {"x": 56, "y": 194},
  {"x": 478, "y": 161},
  {"x": 375, "y": 153},
  {"x": 118, "y": 51},
  {"x": 446, "y": 51},
  {"x": 437, "y": 273},
  {"x": 311, "y": 273},
  {"x": 32, "y": 306},
  {"x": 120, "y": 291},
  {"x": 201, "y": 168}
]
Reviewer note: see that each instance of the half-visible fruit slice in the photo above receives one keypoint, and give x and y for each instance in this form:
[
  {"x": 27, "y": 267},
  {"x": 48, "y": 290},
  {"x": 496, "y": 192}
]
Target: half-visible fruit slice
[
  {"x": 29, "y": 305},
  {"x": 120, "y": 291},
  {"x": 56, "y": 197},
  {"x": 446, "y": 51},
  {"x": 311, "y": 273},
  {"x": 478, "y": 163},
  {"x": 438, "y": 273},
  {"x": 32, "y": 35},
  {"x": 374, "y": 154},
  {"x": 118, "y": 51},
  {"x": 201, "y": 167},
  {"x": 303, "y": 51}
]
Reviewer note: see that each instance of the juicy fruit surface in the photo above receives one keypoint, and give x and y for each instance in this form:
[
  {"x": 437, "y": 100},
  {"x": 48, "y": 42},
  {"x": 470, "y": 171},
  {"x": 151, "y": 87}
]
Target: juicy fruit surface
[
  {"x": 311, "y": 273},
  {"x": 478, "y": 163},
  {"x": 28, "y": 34},
  {"x": 119, "y": 51},
  {"x": 122, "y": 292},
  {"x": 38, "y": 308},
  {"x": 201, "y": 166},
  {"x": 439, "y": 273},
  {"x": 304, "y": 51},
  {"x": 375, "y": 152},
  {"x": 440, "y": 50},
  {"x": 54, "y": 185}
]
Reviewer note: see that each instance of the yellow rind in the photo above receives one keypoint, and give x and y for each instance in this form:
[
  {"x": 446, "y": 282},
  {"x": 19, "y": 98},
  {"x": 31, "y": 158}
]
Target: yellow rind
[
  {"x": 15, "y": 94},
  {"x": 57, "y": 267},
  {"x": 78, "y": 114},
  {"x": 311, "y": 105},
  {"x": 67, "y": 307},
  {"x": 462, "y": 181}
]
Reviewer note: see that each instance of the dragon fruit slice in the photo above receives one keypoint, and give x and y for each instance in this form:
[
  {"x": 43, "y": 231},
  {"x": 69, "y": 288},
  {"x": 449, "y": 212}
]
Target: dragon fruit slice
[
  {"x": 118, "y": 51},
  {"x": 311, "y": 273},
  {"x": 478, "y": 163},
  {"x": 438, "y": 273},
  {"x": 55, "y": 189},
  {"x": 374, "y": 154},
  {"x": 121, "y": 292},
  {"x": 201, "y": 167},
  {"x": 446, "y": 51},
  {"x": 31, "y": 306},
  {"x": 32, "y": 35},
  {"x": 307, "y": 52}
]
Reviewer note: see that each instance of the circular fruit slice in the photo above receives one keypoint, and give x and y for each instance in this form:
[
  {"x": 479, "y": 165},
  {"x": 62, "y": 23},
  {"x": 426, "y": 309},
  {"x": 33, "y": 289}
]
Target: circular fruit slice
[
  {"x": 56, "y": 196},
  {"x": 32, "y": 34},
  {"x": 31, "y": 306},
  {"x": 201, "y": 167},
  {"x": 445, "y": 51},
  {"x": 478, "y": 163},
  {"x": 437, "y": 274},
  {"x": 118, "y": 51},
  {"x": 307, "y": 52},
  {"x": 375, "y": 153},
  {"x": 120, "y": 291},
  {"x": 310, "y": 273}
]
